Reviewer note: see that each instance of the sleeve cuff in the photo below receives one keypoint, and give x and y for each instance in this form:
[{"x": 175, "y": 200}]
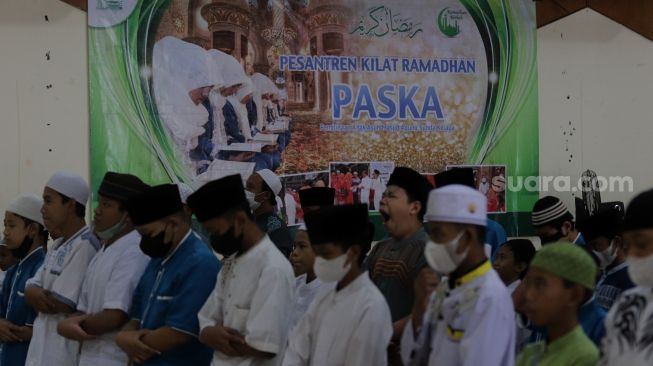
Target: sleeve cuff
[
  {"x": 115, "y": 305},
  {"x": 194, "y": 335},
  {"x": 64, "y": 300}
]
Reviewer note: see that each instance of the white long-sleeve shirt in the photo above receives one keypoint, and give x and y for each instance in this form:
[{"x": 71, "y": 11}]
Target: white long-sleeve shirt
[
  {"x": 350, "y": 327},
  {"x": 305, "y": 293},
  {"x": 471, "y": 324},
  {"x": 253, "y": 295},
  {"x": 109, "y": 283}
]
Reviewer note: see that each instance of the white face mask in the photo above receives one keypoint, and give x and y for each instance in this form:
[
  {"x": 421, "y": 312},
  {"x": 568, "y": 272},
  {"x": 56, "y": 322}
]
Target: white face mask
[
  {"x": 251, "y": 199},
  {"x": 332, "y": 270},
  {"x": 641, "y": 270},
  {"x": 607, "y": 256},
  {"x": 442, "y": 257}
]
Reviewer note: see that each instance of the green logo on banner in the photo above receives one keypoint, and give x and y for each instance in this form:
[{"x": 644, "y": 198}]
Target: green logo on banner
[{"x": 449, "y": 21}]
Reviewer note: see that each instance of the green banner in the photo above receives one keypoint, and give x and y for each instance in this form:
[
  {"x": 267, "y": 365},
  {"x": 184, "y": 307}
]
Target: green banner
[{"x": 341, "y": 93}]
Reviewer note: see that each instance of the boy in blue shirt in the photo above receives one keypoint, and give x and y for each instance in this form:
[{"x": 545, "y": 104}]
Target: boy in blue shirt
[
  {"x": 164, "y": 328},
  {"x": 601, "y": 231},
  {"x": 25, "y": 236}
]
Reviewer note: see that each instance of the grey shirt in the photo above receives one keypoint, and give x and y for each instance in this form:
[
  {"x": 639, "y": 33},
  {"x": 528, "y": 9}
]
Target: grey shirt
[{"x": 393, "y": 266}]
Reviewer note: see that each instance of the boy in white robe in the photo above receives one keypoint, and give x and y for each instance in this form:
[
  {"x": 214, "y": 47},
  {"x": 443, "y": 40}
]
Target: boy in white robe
[
  {"x": 245, "y": 319},
  {"x": 470, "y": 319},
  {"x": 302, "y": 257},
  {"x": 349, "y": 325},
  {"x": 111, "y": 277}
]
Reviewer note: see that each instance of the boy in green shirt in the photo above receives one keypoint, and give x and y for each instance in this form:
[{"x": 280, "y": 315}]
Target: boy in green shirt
[{"x": 556, "y": 285}]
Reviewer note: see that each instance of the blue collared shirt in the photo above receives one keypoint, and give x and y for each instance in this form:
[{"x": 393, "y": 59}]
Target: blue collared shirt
[
  {"x": 13, "y": 306},
  {"x": 171, "y": 293}
]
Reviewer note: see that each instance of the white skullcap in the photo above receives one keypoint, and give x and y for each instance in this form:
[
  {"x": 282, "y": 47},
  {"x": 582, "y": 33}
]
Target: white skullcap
[
  {"x": 231, "y": 70},
  {"x": 458, "y": 204},
  {"x": 71, "y": 185},
  {"x": 187, "y": 63},
  {"x": 271, "y": 179},
  {"x": 184, "y": 191},
  {"x": 28, "y": 206}
]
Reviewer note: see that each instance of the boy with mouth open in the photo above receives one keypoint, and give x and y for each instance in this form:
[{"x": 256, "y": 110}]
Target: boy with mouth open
[{"x": 395, "y": 263}]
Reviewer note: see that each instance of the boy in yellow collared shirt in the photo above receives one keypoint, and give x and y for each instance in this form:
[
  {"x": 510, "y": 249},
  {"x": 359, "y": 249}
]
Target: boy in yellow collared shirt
[{"x": 556, "y": 286}]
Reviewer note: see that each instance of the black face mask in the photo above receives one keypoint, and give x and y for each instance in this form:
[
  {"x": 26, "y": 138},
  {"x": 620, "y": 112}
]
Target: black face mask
[
  {"x": 227, "y": 243},
  {"x": 551, "y": 238},
  {"x": 154, "y": 246},
  {"x": 22, "y": 251}
]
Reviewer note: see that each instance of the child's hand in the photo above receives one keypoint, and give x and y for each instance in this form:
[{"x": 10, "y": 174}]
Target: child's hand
[
  {"x": 40, "y": 300},
  {"x": 130, "y": 342},
  {"x": 71, "y": 328},
  {"x": 6, "y": 332},
  {"x": 221, "y": 338}
]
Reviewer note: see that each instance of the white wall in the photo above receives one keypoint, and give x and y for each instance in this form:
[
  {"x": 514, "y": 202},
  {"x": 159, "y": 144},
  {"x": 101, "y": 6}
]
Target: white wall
[
  {"x": 597, "y": 75},
  {"x": 35, "y": 118},
  {"x": 604, "y": 68}
]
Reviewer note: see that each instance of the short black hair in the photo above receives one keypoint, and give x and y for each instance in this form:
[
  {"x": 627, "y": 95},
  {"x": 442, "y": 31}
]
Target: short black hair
[
  {"x": 43, "y": 232},
  {"x": 266, "y": 188},
  {"x": 80, "y": 210},
  {"x": 523, "y": 251}
]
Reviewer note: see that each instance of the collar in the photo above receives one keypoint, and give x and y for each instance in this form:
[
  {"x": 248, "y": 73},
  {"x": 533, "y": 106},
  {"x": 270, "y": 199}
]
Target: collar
[
  {"x": 480, "y": 271},
  {"x": 570, "y": 338},
  {"x": 577, "y": 237},
  {"x": 588, "y": 303},
  {"x": 353, "y": 287},
  {"x": 32, "y": 253},
  {"x": 513, "y": 286},
  {"x": 81, "y": 232},
  {"x": 617, "y": 268},
  {"x": 183, "y": 240},
  {"x": 252, "y": 252}
]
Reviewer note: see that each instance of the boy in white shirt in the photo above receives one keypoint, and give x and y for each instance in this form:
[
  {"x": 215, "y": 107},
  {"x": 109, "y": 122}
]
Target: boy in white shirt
[
  {"x": 245, "y": 319},
  {"x": 111, "y": 276},
  {"x": 469, "y": 319},
  {"x": 349, "y": 325},
  {"x": 54, "y": 290},
  {"x": 302, "y": 257}
]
